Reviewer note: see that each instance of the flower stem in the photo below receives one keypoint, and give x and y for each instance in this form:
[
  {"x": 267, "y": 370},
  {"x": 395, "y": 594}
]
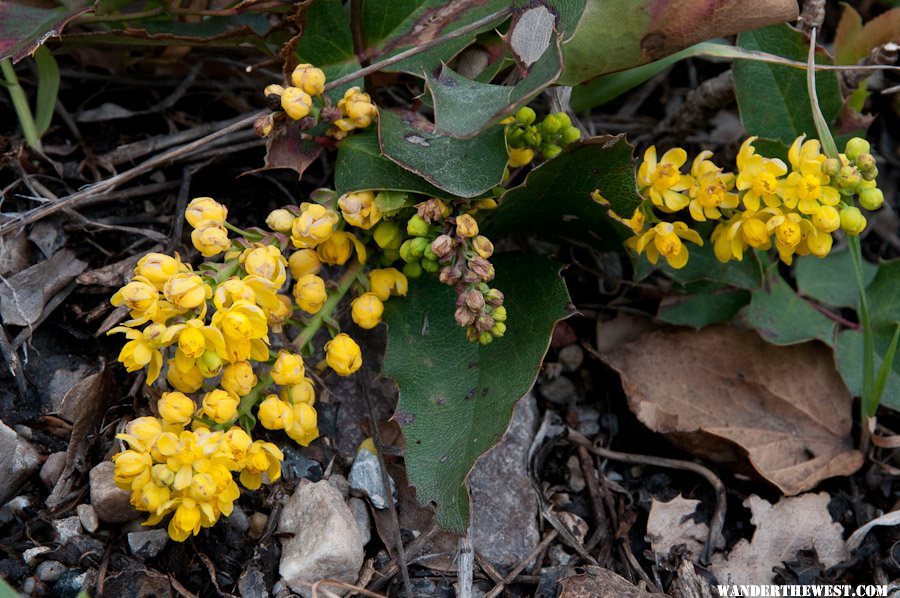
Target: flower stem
[
  {"x": 242, "y": 232},
  {"x": 324, "y": 314}
]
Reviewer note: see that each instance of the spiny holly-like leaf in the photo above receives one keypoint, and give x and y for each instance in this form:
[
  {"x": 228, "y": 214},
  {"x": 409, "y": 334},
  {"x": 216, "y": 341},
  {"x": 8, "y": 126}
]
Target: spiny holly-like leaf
[
  {"x": 326, "y": 41},
  {"x": 783, "y": 318},
  {"x": 615, "y": 35},
  {"x": 285, "y": 148},
  {"x": 456, "y": 397},
  {"x": 773, "y": 99},
  {"x": 25, "y": 25},
  {"x": 556, "y": 197},
  {"x": 464, "y": 107},
  {"x": 463, "y": 167},
  {"x": 361, "y": 166}
]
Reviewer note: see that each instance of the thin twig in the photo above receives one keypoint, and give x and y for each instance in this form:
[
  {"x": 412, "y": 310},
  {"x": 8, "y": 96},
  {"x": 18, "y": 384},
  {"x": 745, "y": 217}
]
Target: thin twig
[
  {"x": 465, "y": 567},
  {"x": 488, "y": 568},
  {"x": 343, "y": 586},
  {"x": 538, "y": 549},
  {"x": 718, "y": 517},
  {"x": 386, "y": 574}
]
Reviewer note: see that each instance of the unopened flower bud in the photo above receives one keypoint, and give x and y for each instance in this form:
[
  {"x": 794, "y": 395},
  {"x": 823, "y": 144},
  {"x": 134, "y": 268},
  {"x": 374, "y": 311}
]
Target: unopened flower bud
[
  {"x": 482, "y": 268},
  {"x": 442, "y": 246},
  {"x": 498, "y": 329},
  {"x": 466, "y": 226},
  {"x": 210, "y": 238},
  {"x": 494, "y": 297},
  {"x": 484, "y": 322},
  {"x": 848, "y": 178},
  {"x": 831, "y": 167},
  {"x": 852, "y": 221},
  {"x": 430, "y": 265},
  {"x": 499, "y": 314},
  {"x": 551, "y": 125},
  {"x": 871, "y": 199},
  {"x": 433, "y": 210},
  {"x": 417, "y": 246},
  {"x": 550, "y": 150},
  {"x": 388, "y": 235},
  {"x": 520, "y": 156},
  {"x": 485, "y": 338},
  {"x": 483, "y": 246},
  {"x": 280, "y": 220},
  {"x": 264, "y": 125},
  {"x": 296, "y": 102},
  {"x": 525, "y": 116},
  {"x": 866, "y": 163},
  {"x": 450, "y": 274},
  {"x": 417, "y": 227},
  {"x": 309, "y": 78},
  {"x": 474, "y": 300},
  {"x": 570, "y": 134},
  {"x": 857, "y": 147},
  {"x": 412, "y": 270},
  {"x": 464, "y": 316}
]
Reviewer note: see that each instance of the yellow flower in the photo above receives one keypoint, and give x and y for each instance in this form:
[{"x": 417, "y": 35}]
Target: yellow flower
[
  {"x": 280, "y": 220},
  {"x": 262, "y": 458},
  {"x": 245, "y": 330},
  {"x": 130, "y": 466},
  {"x": 807, "y": 187},
  {"x": 265, "y": 261},
  {"x": 194, "y": 339},
  {"x": 520, "y": 156},
  {"x": 635, "y": 223},
  {"x": 711, "y": 189},
  {"x": 142, "y": 349},
  {"x": 359, "y": 209},
  {"x": 141, "y": 433},
  {"x": 814, "y": 241},
  {"x": 664, "y": 239},
  {"x": 366, "y": 310},
  {"x": 219, "y": 405},
  {"x": 188, "y": 381},
  {"x": 235, "y": 443},
  {"x": 157, "y": 269},
  {"x": 663, "y": 181},
  {"x": 802, "y": 152},
  {"x": 152, "y": 497},
  {"x": 357, "y": 108},
  {"x": 731, "y": 238},
  {"x": 238, "y": 378},
  {"x": 788, "y": 234},
  {"x": 186, "y": 520},
  {"x": 210, "y": 238},
  {"x": 337, "y": 248},
  {"x": 304, "y": 261},
  {"x": 466, "y": 226},
  {"x": 304, "y": 427},
  {"x": 388, "y": 281},
  {"x": 175, "y": 408},
  {"x": 187, "y": 291},
  {"x": 232, "y": 290},
  {"x": 302, "y": 392},
  {"x": 309, "y": 79},
  {"x": 141, "y": 297},
  {"x": 295, "y": 102},
  {"x": 275, "y": 414},
  {"x": 310, "y": 293},
  {"x": 758, "y": 177},
  {"x": 342, "y": 355},
  {"x": 279, "y": 313},
  {"x": 313, "y": 226},
  {"x": 288, "y": 369},
  {"x": 205, "y": 208}
]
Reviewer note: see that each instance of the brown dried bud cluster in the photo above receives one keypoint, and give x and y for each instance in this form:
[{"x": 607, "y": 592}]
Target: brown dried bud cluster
[{"x": 433, "y": 210}]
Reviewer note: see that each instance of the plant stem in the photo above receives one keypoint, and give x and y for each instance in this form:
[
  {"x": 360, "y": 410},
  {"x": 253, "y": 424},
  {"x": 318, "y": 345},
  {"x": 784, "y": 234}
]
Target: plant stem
[
  {"x": 867, "y": 408},
  {"x": 242, "y": 232},
  {"x": 20, "y": 103},
  {"x": 343, "y": 285}
]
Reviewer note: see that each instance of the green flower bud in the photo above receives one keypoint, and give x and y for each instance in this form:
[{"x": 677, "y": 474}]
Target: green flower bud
[
  {"x": 550, "y": 150},
  {"x": 389, "y": 256},
  {"x": 564, "y": 120},
  {"x": 388, "y": 235},
  {"x": 515, "y": 137},
  {"x": 412, "y": 270},
  {"x": 856, "y": 147},
  {"x": 848, "y": 178},
  {"x": 871, "y": 199},
  {"x": 499, "y": 314},
  {"x": 551, "y": 125},
  {"x": 418, "y": 246},
  {"x": 406, "y": 251},
  {"x": 485, "y": 338},
  {"x": 429, "y": 253},
  {"x": 831, "y": 167},
  {"x": 416, "y": 227},
  {"x": 570, "y": 134},
  {"x": 498, "y": 329},
  {"x": 852, "y": 221},
  {"x": 430, "y": 265},
  {"x": 525, "y": 116},
  {"x": 532, "y": 137}
]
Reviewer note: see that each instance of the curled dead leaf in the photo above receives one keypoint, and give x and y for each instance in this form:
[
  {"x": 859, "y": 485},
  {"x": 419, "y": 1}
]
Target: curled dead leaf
[
  {"x": 726, "y": 395},
  {"x": 672, "y": 524},
  {"x": 597, "y": 582}
]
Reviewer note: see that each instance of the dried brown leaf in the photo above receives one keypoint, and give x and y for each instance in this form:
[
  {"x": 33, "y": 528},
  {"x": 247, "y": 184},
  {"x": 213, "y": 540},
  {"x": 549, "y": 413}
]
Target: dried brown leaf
[
  {"x": 597, "y": 582},
  {"x": 810, "y": 527},
  {"x": 286, "y": 148},
  {"x": 23, "y": 295},
  {"x": 726, "y": 395},
  {"x": 672, "y": 523}
]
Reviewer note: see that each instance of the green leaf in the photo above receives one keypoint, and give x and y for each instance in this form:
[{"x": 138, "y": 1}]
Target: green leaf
[
  {"x": 391, "y": 201},
  {"x": 829, "y": 280},
  {"x": 555, "y": 199},
  {"x": 884, "y": 295},
  {"x": 25, "y": 24},
  {"x": 703, "y": 265},
  {"x": 784, "y": 318},
  {"x": 773, "y": 99},
  {"x": 463, "y": 167},
  {"x": 361, "y": 166},
  {"x": 848, "y": 352},
  {"x": 702, "y": 310},
  {"x": 853, "y": 41},
  {"x": 456, "y": 397},
  {"x": 48, "y": 86},
  {"x": 464, "y": 107}
]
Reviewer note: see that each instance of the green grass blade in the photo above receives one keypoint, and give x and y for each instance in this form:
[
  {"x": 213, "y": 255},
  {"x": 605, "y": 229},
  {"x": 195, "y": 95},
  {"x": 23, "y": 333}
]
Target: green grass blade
[
  {"x": 48, "y": 87},
  {"x": 20, "y": 103},
  {"x": 884, "y": 372}
]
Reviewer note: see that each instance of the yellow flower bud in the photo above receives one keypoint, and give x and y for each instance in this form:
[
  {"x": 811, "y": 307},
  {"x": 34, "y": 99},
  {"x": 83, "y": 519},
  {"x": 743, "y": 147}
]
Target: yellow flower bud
[
  {"x": 313, "y": 226},
  {"x": 288, "y": 369},
  {"x": 309, "y": 79},
  {"x": 483, "y": 246},
  {"x": 302, "y": 392},
  {"x": 343, "y": 355},
  {"x": 273, "y": 90},
  {"x": 191, "y": 342},
  {"x": 466, "y": 226},
  {"x": 185, "y": 381},
  {"x": 359, "y": 209},
  {"x": 138, "y": 296},
  {"x": 278, "y": 312},
  {"x": 203, "y": 487},
  {"x": 852, "y": 221},
  {"x": 366, "y": 310},
  {"x": 185, "y": 522},
  {"x": 210, "y": 238},
  {"x": 755, "y": 233},
  {"x": 186, "y": 291},
  {"x": 205, "y": 208},
  {"x": 310, "y": 293},
  {"x": 388, "y": 281},
  {"x": 162, "y": 475},
  {"x": 280, "y": 220},
  {"x": 129, "y": 465},
  {"x": 175, "y": 408},
  {"x": 336, "y": 250},
  {"x": 145, "y": 429},
  {"x": 238, "y": 378},
  {"x": 827, "y": 219},
  {"x": 275, "y": 414},
  {"x": 157, "y": 268},
  {"x": 220, "y": 405},
  {"x": 296, "y": 102},
  {"x": 153, "y": 496},
  {"x": 520, "y": 156},
  {"x": 266, "y": 262},
  {"x": 305, "y": 428},
  {"x": 304, "y": 261}
]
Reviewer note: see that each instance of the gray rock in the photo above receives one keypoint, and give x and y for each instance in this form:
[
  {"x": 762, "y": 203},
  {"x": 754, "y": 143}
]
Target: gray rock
[
  {"x": 52, "y": 469},
  {"x": 280, "y": 589},
  {"x": 112, "y": 504},
  {"x": 50, "y": 571},
  {"x": 14, "y": 508},
  {"x": 30, "y": 555},
  {"x": 560, "y": 391},
  {"x": 365, "y": 479},
  {"x": 71, "y": 583},
  {"x": 588, "y": 420},
  {"x": 361, "y": 516},
  {"x": 257, "y": 525},
  {"x": 296, "y": 467},
  {"x": 238, "y": 520},
  {"x": 252, "y": 584},
  {"x": 571, "y": 357},
  {"x": 67, "y": 528},
  {"x": 28, "y": 585},
  {"x": 504, "y": 504},
  {"x": 574, "y": 476},
  {"x": 18, "y": 460},
  {"x": 325, "y": 542},
  {"x": 341, "y": 483},
  {"x": 88, "y": 516},
  {"x": 147, "y": 544}
]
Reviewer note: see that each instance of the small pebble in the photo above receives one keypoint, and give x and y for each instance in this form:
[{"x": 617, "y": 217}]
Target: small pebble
[
  {"x": 588, "y": 420},
  {"x": 361, "y": 516},
  {"x": 50, "y": 571},
  {"x": 31, "y": 554},
  {"x": 558, "y": 555},
  {"x": 67, "y": 528},
  {"x": 147, "y": 544},
  {"x": 280, "y": 589},
  {"x": 576, "y": 476},
  {"x": 88, "y": 517},
  {"x": 238, "y": 520},
  {"x": 341, "y": 483},
  {"x": 365, "y": 479},
  {"x": 257, "y": 525},
  {"x": 52, "y": 469},
  {"x": 571, "y": 357},
  {"x": 28, "y": 585},
  {"x": 560, "y": 391}
]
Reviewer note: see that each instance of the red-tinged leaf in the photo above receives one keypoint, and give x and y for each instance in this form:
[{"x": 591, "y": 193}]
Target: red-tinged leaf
[
  {"x": 854, "y": 40},
  {"x": 285, "y": 148},
  {"x": 25, "y": 25}
]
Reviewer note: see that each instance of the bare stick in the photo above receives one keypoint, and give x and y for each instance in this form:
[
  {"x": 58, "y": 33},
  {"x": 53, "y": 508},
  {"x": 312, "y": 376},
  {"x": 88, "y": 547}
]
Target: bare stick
[{"x": 551, "y": 535}]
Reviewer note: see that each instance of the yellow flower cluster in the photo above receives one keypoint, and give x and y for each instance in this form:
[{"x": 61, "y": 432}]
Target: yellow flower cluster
[{"x": 794, "y": 207}]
